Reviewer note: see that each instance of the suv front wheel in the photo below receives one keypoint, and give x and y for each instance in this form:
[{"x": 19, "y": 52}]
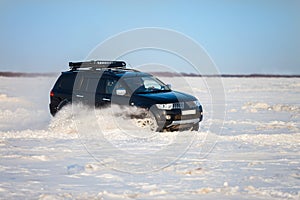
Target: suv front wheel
[
  {"x": 149, "y": 122},
  {"x": 195, "y": 127}
]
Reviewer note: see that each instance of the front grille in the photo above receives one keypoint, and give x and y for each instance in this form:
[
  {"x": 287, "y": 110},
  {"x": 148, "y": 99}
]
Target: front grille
[
  {"x": 178, "y": 105},
  {"x": 185, "y": 105}
]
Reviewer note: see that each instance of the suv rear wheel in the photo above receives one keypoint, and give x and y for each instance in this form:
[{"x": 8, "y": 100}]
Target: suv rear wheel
[
  {"x": 56, "y": 105},
  {"x": 53, "y": 106},
  {"x": 62, "y": 104}
]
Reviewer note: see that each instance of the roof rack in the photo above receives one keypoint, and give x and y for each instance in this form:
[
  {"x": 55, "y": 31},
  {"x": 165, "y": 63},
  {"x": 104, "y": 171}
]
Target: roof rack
[{"x": 97, "y": 64}]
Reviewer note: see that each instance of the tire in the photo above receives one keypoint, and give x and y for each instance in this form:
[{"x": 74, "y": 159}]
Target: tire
[
  {"x": 62, "y": 104},
  {"x": 195, "y": 127},
  {"x": 153, "y": 123},
  {"x": 53, "y": 106},
  {"x": 149, "y": 122}
]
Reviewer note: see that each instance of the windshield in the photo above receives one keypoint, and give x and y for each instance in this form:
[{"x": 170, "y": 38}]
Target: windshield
[{"x": 146, "y": 84}]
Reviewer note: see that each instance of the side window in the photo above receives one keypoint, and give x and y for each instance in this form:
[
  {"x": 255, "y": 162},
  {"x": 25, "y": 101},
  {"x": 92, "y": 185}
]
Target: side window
[
  {"x": 79, "y": 83},
  {"x": 92, "y": 85},
  {"x": 110, "y": 85},
  {"x": 87, "y": 84},
  {"x": 151, "y": 84}
]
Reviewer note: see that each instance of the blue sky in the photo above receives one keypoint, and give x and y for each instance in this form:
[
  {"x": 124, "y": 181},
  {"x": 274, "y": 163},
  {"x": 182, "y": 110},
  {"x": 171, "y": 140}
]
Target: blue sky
[{"x": 241, "y": 36}]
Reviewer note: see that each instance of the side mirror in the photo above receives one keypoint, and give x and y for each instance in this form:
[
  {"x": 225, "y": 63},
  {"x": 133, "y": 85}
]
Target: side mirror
[
  {"x": 169, "y": 86},
  {"x": 120, "y": 91}
]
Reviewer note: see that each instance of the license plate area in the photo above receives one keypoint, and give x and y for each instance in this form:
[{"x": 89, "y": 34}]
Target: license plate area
[{"x": 188, "y": 112}]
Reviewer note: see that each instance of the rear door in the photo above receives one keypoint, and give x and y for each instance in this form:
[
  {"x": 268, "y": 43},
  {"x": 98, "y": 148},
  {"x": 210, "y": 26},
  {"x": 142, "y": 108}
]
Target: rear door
[
  {"x": 91, "y": 90},
  {"x": 86, "y": 88}
]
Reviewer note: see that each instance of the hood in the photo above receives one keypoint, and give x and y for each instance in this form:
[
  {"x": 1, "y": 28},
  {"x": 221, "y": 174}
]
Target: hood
[{"x": 166, "y": 97}]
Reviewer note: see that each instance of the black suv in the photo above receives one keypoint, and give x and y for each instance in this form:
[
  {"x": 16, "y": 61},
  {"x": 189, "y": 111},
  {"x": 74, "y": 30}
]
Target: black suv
[{"x": 102, "y": 83}]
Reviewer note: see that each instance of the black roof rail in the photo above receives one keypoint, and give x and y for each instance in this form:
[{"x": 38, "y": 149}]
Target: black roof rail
[{"x": 97, "y": 64}]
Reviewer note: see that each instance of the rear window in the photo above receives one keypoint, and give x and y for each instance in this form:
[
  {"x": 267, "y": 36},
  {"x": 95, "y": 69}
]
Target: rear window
[{"x": 66, "y": 82}]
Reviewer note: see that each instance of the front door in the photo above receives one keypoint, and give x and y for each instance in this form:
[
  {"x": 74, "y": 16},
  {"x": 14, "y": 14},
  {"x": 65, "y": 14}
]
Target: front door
[{"x": 112, "y": 84}]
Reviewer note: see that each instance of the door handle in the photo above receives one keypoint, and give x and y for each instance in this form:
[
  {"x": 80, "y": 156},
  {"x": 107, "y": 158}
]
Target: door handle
[
  {"x": 105, "y": 99},
  {"x": 78, "y": 95}
]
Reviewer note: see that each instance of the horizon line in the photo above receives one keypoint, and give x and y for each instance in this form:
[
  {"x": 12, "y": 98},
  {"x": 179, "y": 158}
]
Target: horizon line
[{"x": 164, "y": 74}]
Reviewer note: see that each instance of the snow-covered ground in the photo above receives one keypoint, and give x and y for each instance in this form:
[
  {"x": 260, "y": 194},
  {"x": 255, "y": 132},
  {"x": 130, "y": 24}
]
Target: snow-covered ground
[{"x": 100, "y": 154}]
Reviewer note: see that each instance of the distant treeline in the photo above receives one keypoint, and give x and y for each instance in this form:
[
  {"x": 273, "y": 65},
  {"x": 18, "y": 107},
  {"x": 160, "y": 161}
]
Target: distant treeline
[
  {"x": 171, "y": 74},
  {"x": 163, "y": 74},
  {"x": 23, "y": 74}
]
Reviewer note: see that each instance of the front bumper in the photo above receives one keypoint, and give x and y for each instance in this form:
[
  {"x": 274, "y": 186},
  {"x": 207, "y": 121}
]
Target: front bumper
[
  {"x": 175, "y": 118},
  {"x": 183, "y": 122}
]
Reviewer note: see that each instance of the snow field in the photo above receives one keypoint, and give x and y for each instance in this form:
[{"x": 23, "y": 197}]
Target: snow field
[{"x": 255, "y": 156}]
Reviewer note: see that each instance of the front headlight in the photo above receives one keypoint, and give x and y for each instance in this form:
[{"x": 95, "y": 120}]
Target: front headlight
[
  {"x": 197, "y": 103},
  {"x": 167, "y": 106}
]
